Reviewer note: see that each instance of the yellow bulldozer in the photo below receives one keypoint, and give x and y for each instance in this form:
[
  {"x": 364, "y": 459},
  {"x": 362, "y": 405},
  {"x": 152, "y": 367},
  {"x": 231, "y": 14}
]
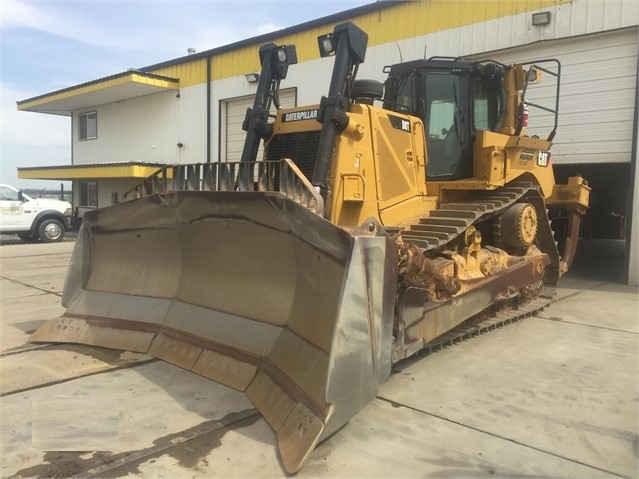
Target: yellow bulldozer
[{"x": 388, "y": 219}]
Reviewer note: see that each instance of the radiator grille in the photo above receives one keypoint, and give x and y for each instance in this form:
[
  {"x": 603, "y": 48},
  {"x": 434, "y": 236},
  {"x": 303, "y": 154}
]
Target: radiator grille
[{"x": 299, "y": 147}]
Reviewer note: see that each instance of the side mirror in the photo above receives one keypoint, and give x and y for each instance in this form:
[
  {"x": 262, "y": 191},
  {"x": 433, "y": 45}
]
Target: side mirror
[{"x": 20, "y": 196}]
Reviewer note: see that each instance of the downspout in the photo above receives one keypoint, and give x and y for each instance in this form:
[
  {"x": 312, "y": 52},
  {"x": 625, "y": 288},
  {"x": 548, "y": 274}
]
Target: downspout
[
  {"x": 208, "y": 108},
  {"x": 631, "y": 269}
]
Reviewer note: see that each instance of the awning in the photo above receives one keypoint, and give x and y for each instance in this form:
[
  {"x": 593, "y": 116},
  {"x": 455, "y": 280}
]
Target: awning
[
  {"x": 129, "y": 84},
  {"x": 99, "y": 171}
]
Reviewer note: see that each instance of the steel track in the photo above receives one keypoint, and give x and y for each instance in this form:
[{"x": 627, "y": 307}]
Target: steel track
[
  {"x": 447, "y": 223},
  {"x": 481, "y": 324}
]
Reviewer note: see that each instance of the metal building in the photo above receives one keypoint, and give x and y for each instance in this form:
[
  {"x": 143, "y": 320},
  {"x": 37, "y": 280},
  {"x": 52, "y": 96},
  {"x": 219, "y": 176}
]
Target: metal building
[{"x": 190, "y": 109}]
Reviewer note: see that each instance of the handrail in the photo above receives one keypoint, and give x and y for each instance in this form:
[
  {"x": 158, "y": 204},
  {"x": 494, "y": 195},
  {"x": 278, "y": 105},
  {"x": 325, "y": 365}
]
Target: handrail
[
  {"x": 554, "y": 110},
  {"x": 281, "y": 176}
]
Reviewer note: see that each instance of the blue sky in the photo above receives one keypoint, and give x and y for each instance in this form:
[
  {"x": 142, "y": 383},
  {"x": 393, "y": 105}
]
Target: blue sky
[{"x": 49, "y": 45}]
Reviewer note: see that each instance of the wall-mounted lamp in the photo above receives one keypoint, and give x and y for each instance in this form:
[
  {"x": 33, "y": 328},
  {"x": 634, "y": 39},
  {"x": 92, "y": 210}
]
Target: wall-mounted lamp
[
  {"x": 541, "y": 18},
  {"x": 252, "y": 77},
  {"x": 180, "y": 144}
]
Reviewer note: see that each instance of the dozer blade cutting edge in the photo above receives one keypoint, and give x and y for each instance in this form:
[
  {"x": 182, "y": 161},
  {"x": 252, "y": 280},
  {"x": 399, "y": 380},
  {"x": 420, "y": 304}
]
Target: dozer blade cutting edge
[{"x": 257, "y": 293}]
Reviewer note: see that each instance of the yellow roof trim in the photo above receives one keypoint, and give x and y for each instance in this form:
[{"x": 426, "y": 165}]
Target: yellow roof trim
[
  {"x": 105, "y": 90},
  {"x": 80, "y": 172}
]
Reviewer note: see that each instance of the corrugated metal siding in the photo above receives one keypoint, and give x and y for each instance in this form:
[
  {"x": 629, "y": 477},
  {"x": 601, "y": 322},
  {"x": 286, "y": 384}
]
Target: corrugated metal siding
[
  {"x": 462, "y": 26},
  {"x": 190, "y": 73},
  {"x": 568, "y": 19},
  {"x": 389, "y": 25},
  {"x": 505, "y": 32},
  {"x": 423, "y": 17}
]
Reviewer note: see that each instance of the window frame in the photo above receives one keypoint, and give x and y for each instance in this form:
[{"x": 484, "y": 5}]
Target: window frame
[
  {"x": 84, "y": 117},
  {"x": 86, "y": 195}
]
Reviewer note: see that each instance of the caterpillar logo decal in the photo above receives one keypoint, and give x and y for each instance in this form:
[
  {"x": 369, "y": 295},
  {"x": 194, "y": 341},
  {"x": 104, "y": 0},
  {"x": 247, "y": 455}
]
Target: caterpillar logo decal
[
  {"x": 527, "y": 155},
  {"x": 300, "y": 115},
  {"x": 399, "y": 123}
]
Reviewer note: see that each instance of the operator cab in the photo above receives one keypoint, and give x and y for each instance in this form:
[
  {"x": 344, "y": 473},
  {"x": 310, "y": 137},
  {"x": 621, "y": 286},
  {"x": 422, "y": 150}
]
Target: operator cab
[{"x": 455, "y": 99}]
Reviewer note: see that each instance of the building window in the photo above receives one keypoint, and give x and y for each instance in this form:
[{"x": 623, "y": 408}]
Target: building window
[
  {"x": 89, "y": 194},
  {"x": 88, "y": 124}
]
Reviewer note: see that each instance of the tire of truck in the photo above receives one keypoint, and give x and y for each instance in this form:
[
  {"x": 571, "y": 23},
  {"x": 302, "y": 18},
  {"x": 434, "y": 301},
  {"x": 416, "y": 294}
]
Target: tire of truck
[
  {"x": 51, "y": 231},
  {"x": 28, "y": 237}
]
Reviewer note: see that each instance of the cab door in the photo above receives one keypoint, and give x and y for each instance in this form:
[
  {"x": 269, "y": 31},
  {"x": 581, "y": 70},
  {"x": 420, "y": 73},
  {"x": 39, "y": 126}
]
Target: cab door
[{"x": 447, "y": 125}]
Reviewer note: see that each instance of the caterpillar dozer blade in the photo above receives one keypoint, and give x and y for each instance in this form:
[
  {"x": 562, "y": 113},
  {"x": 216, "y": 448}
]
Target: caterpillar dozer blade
[{"x": 249, "y": 289}]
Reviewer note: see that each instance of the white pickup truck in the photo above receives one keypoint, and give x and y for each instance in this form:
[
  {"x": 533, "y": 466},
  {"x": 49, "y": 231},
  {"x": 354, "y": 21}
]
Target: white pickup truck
[{"x": 33, "y": 219}]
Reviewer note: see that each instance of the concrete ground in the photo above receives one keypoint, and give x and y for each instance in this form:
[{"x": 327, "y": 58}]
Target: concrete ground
[{"x": 555, "y": 395}]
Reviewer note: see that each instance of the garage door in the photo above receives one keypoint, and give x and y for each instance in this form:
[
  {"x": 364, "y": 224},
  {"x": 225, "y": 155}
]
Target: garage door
[
  {"x": 235, "y": 111},
  {"x": 598, "y": 84}
]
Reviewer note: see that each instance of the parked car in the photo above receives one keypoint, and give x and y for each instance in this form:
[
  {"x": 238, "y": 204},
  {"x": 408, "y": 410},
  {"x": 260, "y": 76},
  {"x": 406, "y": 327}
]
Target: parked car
[{"x": 33, "y": 219}]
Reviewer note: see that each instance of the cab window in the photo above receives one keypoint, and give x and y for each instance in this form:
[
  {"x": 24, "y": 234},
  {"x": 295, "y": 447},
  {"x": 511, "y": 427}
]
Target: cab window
[{"x": 486, "y": 105}]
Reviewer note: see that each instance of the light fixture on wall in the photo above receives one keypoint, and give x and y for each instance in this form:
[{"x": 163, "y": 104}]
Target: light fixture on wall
[
  {"x": 541, "y": 18},
  {"x": 252, "y": 77}
]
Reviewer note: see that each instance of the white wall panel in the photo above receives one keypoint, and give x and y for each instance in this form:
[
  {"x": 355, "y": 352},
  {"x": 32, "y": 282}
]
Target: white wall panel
[{"x": 148, "y": 129}]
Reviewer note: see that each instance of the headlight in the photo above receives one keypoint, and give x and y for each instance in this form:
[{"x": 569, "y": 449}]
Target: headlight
[
  {"x": 281, "y": 55},
  {"x": 68, "y": 212},
  {"x": 326, "y": 45}
]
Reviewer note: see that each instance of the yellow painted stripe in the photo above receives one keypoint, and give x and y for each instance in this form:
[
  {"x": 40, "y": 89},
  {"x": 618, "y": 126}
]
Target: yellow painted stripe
[
  {"x": 94, "y": 172},
  {"x": 190, "y": 73}
]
